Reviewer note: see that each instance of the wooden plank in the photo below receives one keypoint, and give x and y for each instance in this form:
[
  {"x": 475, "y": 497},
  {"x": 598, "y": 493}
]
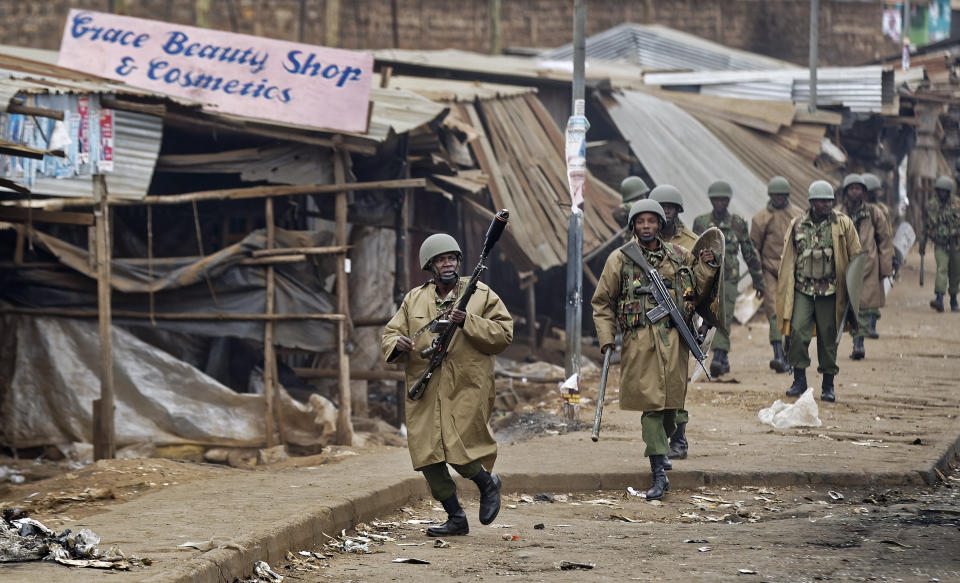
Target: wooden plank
[
  {"x": 252, "y": 192},
  {"x": 344, "y": 423},
  {"x": 275, "y": 259},
  {"x": 22, "y": 151},
  {"x": 37, "y": 111},
  {"x": 360, "y": 375},
  {"x": 269, "y": 350},
  {"x": 185, "y": 316},
  {"x": 484, "y": 155},
  {"x": 13, "y": 214},
  {"x": 154, "y": 109},
  {"x": 104, "y": 435},
  {"x": 302, "y": 251}
]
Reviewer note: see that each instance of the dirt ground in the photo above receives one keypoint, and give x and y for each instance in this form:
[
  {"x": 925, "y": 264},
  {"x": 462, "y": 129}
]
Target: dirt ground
[
  {"x": 896, "y": 412},
  {"x": 724, "y": 534}
]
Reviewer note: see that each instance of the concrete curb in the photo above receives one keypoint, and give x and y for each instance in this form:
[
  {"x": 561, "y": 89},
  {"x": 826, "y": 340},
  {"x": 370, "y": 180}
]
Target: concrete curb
[{"x": 305, "y": 531}]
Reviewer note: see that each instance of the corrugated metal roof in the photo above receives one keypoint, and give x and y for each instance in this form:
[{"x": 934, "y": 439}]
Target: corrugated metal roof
[
  {"x": 676, "y": 149},
  {"x": 136, "y": 147},
  {"x": 448, "y": 90},
  {"x": 530, "y": 71},
  {"x": 858, "y": 88},
  {"x": 660, "y": 47}
]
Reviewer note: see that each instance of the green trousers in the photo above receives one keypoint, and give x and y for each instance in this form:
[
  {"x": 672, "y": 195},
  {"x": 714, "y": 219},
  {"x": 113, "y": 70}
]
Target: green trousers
[
  {"x": 441, "y": 484},
  {"x": 948, "y": 270},
  {"x": 656, "y": 427},
  {"x": 721, "y": 340},
  {"x": 863, "y": 321},
  {"x": 811, "y": 312},
  {"x": 775, "y": 335}
]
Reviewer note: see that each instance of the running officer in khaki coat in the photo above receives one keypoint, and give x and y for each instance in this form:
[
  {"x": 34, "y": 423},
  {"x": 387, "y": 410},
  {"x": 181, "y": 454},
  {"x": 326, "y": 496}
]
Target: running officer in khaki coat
[
  {"x": 448, "y": 425},
  {"x": 653, "y": 369},
  {"x": 876, "y": 239},
  {"x": 812, "y": 287},
  {"x": 675, "y": 232},
  {"x": 767, "y": 229}
]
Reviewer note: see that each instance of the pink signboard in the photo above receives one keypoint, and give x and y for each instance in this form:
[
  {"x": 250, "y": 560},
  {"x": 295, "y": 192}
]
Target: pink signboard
[{"x": 316, "y": 87}]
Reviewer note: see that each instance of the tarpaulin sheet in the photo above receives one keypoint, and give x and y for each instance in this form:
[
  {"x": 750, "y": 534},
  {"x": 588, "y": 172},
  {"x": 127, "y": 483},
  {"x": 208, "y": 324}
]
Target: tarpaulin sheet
[
  {"x": 180, "y": 286},
  {"x": 49, "y": 377}
]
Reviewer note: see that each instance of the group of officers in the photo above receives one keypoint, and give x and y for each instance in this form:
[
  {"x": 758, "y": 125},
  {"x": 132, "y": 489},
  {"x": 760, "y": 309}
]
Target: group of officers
[{"x": 797, "y": 260}]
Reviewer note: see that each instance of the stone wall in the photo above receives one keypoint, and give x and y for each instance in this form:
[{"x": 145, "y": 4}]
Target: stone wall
[{"x": 850, "y": 29}]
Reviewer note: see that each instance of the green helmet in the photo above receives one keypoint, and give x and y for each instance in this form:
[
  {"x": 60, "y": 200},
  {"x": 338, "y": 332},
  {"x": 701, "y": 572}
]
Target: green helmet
[
  {"x": 666, "y": 193},
  {"x": 820, "y": 189},
  {"x": 778, "y": 185},
  {"x": 872, "y": 182},
  {"x": 437, "y": 245},
  {"x": 850, "y": 179},
  {"x": 719, "y": 189},
  {"x": 944, "y": 183},
  {"x": 632, "y": 188},
  {"x": 646, "y": 206}
]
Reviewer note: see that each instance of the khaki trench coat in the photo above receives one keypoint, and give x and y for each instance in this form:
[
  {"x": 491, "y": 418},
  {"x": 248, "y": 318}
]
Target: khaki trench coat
[
  {"x": 876, "y": 238},
  {"x": 653, "y": 366},
  {"x": 685, "y": 238},
  {"x": 449, "y": 422},
  {"x": 767, "y": 229},
  {"x": 846, "y": 244}
]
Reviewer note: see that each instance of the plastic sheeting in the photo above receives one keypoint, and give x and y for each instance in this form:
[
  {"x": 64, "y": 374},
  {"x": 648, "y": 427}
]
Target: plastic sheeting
[
  {"x": 180, "y": 287},
  {"x": 51, "y": 378}
]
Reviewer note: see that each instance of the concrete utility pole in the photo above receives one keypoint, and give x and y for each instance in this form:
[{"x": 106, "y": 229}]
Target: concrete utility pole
[
  {"x": 576, "y": 176},
  {"x": 814, "y": 57}
]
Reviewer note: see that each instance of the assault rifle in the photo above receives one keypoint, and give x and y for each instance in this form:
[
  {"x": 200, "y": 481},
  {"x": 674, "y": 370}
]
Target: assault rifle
[
  {"x": 438, "y": 349},
  {"x": 665, "y": 305}
]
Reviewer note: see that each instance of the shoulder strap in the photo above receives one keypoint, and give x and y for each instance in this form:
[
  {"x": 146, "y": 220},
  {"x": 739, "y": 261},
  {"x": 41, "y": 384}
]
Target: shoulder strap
[{"x": 632, "y": 251}]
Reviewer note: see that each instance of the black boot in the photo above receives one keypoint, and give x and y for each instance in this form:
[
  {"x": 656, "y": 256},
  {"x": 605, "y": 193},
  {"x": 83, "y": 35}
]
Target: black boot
[
  {"x": 954, "y": 306},
  {"x": 489, "y": 485},
  {"x": 678, "y": 443},
  {"x": 719, "y": 365},
  {"x": 826, "y": 391},
  {"x": 872, "y": 330},
  {"x": 779, "y": 362},
  {"x": 660, "y": 484},
  {"x": 456, "y": 523},
  {"x": 858, "y": 350},
  {"x": 937, "y": 302},
  {"x": 799, "y": 383}
]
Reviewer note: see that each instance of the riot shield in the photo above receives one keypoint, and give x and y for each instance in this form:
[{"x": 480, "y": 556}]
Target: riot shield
[{"x": 712, "y": 305}]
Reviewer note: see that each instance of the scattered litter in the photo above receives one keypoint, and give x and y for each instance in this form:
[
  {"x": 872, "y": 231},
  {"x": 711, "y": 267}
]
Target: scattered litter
[
  {"x": 562, "y": 497},
  {"x": 603, "y": 501},
  {"x": 12, "y": 475},
  {"x": 353, "y": 546},
  {"x": 870, "y": 443},
  {"x": 569, "y": 566},
  {"x": 696, "y": 540},
  {"x": 214, "y": 543},
  {"x": 746, "y": 571},
  {"x": 834, "y": 495},
  {"x": 26, "y": 539},
  {"x": 498, "y": 525},
  {"x": 510, "y": 537},
  {"x": 543, "y": 498},
  {"x": 512, "y": 506},
  {"x": 896, "y": 544},
  {"x": 419, "y": 521},
  {"x": 310, "y": 562},
  {"x": 410, "y": 561},
  {"x": 527, "y": 499},
  {"x": 636, "y": 493},
  {"x": 441, "y": 544},
  {"x": 539, "y": 526},
  {"x": 563, "y": 525},
  {"x": 410, "y": 544},
  {"x": 704, "y": 549},
  {"x": 803, "y": 413},
  {"x": 621, "y": 518}
]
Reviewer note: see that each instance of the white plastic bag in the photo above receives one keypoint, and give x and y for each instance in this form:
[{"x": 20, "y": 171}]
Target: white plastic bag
[{"x": 803, "y": 413}]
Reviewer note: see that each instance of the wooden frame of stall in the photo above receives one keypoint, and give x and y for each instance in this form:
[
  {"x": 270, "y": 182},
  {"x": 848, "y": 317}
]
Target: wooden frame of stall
[{"x": 99, "y": 223}]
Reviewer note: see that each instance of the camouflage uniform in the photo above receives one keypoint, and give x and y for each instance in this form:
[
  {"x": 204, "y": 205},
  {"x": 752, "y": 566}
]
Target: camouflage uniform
[
  {"x": 942, "y": 227},
  {"x": 735, "y": 230}
]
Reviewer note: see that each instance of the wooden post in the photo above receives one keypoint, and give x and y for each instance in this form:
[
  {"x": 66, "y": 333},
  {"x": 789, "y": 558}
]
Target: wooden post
[
  {"x": 344, "y": 424},
  {"x": 269, "y": 351},
  {"x": 18, "y": 249},
  {"x": 332, "y": 21},
  {"x": 104, "y": 438}
]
